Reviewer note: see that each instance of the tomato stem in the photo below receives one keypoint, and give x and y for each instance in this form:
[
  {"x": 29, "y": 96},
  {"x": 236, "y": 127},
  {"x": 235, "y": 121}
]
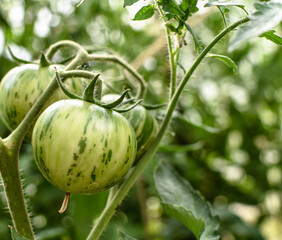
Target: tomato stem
[
  {"x": 171, "y": 54},
  {"x": 143, "y": 162},
  {"x": 65, "y": 203},
  {"x": 9, "y": 156},
  {"x": 141, "y": 92},
  {"x": 52, "y": 50}
]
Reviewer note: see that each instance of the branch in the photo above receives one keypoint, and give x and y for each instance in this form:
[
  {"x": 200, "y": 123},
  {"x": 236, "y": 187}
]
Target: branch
[
  {"x": 132, "y": 177},
  {"x": 115, "y": 59}
]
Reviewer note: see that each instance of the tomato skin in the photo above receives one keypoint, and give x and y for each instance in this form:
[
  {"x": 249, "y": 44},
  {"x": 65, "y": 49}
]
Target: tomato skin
[
  {"x": 145, "y": 127},
  {"x": 22, "y": 86},
  {"x": 144, "y": 124},
  {"x": 81, "y": 147}
]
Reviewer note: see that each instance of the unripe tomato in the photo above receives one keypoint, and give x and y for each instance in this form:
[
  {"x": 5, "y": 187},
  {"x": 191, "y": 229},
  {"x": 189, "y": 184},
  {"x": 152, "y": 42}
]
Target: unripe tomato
[
  {"x": 144, "y": 124},
  {"x": 81, "y": 147},
  {"x": 22, "y": 86}
]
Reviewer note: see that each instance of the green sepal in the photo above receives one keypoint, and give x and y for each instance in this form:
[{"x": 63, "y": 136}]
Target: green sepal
[
  {"x": 43, "y": 60},
  {"x": 19, "y": 60},
  {"x": 116, "y": 102},
  {"x": 64, "y": 89},
  {"x": 88, "y": 94},
  {"x": 129, "y": 108},
  {"x": 98, "y": 90}
]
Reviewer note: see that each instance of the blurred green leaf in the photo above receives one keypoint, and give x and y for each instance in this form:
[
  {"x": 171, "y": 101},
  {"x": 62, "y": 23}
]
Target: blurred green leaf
[
  {"x": 171, "y": 6},
  {"x": 198, "y": 126},
  {"x": 227, "y": 60},
  {"x": 51, "y": 233},
  {"x": 145, "y": 12},
  {"x": 181, "y": 148},
  {"x": 272, "y": 37},
  {"x": 16, "y": 236},
  {"x": 129, "y": 2},
  {"x": 267, "y": 16},
  {"x": 231, "y": 222},
  {"x": 224, "y": 4},
  {"x": 182, "y": 202},
  {"x": 123, "y": 236},
  {"x": 198, "y": 45},
  {"x": 191, "y": 4}
]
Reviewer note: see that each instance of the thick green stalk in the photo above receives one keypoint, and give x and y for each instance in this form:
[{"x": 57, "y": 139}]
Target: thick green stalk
[
  {"x": 13, "y": 190},
  {"x": 172, "y": 62},
  {"x": 115, "y": 59},
  {"x": 132, "y": 177},
  {"x": 9, "y": 155}
]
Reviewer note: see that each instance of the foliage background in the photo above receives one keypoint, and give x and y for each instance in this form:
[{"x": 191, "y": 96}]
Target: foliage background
[{"x": 225, "y": 137}]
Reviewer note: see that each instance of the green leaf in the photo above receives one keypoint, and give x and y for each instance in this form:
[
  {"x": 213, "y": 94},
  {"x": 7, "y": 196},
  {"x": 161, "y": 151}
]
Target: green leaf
[
  {"x": 198, "y": 45},
  {"x": 272, "y": 37},
  {"x": 224, "y": 4},
  {"x": 123, "y": 236},
  {"x": 199, "y": 127},
  {"x": 145, "y": 12},
  {"x": 182, "y": 202},
  {"x": 267, "y": 16},
  {"x": 129, "y": 2},
  {"x": 181, "y": 148},
  {"x": 228, "y": 61},
  {"x": 15, "y": 235},
  {"x": 191, "y": 4},
  {"x": 171, "y": 6}
]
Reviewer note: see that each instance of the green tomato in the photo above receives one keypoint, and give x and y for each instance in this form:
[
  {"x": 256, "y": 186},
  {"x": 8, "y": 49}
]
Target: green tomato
[
  {"x": 23, "y": 85},
  {"x": 144, "y": 124},
  {"x": 81, "y": 147},
  {"x": 3, "y": 130}
]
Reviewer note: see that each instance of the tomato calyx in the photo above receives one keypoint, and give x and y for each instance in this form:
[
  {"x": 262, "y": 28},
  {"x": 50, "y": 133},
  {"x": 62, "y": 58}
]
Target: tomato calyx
[
  {"x": 17, "y": 59},
  {"x": 93, "y": 94},
  {"x": 43, "y": 62}
]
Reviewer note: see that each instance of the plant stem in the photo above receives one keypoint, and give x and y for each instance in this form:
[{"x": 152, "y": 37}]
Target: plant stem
[
  {"x": 132, "y": 177},
  {"x": 9, "y": 155},
  {"x": 59, "y": 45},
  {"x": 115, "y": 59},
  {"x": 13, "y": 189},
  {"x": 77, "y": 73},
  {"x": 172, "y": 62}
]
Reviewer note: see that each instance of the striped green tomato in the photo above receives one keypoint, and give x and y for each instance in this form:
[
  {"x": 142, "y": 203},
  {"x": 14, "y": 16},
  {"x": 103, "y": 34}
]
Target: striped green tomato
[
  {"x": 145, "y": 127},
  {"x": 81, "y": 147},
  {"x": 143, "y": 123},
  {"x": 22, "y": 86}
]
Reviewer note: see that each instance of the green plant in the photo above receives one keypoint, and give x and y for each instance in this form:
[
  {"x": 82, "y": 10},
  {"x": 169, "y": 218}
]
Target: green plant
[
  {"x": 23, "y": 85},
  {"x": 198, "y": 216},
  {"x": 86, "y": 156},
  {"x": 143, "y": 123}
]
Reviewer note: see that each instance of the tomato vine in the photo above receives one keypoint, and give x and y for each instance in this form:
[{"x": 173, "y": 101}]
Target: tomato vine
[{"x": 10, "y": 146}]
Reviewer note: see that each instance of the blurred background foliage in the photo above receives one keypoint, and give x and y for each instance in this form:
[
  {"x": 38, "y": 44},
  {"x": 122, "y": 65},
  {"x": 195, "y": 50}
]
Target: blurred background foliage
[{"x": 225, "y": 137}]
